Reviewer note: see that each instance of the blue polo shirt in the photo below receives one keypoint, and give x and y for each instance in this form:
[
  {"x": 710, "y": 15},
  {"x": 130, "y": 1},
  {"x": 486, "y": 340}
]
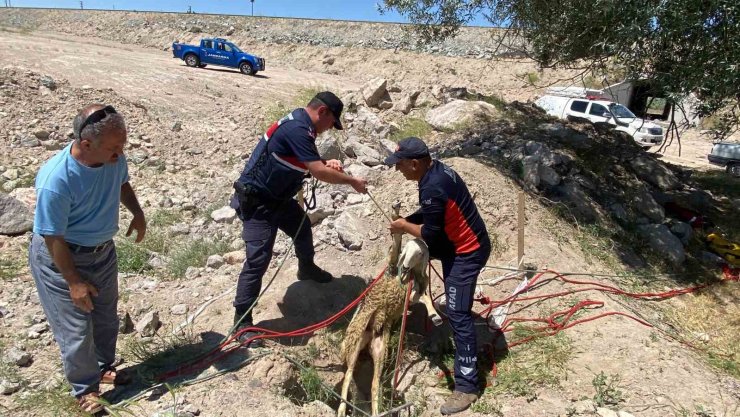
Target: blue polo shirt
[
  {"x": 277, "y": 165},
  {"x": 77, "y": 201}
]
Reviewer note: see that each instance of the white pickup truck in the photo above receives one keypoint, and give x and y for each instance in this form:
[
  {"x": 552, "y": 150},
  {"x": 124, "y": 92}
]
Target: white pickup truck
[
  {"x": 598, "y": 110},
  {"x": 727, "y": 155}
]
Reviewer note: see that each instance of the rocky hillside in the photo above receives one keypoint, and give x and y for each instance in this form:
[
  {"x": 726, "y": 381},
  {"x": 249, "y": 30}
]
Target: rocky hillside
[
  {"x": 595, "y": 204},
  {"x": 160, "y": 29}
]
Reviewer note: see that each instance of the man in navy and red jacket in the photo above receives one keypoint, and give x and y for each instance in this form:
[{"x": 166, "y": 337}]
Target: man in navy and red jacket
[
  {"x": 285, "y": 155},
  {"x": 449, "y": 223}
]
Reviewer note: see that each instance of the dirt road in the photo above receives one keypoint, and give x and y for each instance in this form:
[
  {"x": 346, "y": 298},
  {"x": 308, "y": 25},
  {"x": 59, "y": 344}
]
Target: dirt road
[{"x": 150, "y": 76}]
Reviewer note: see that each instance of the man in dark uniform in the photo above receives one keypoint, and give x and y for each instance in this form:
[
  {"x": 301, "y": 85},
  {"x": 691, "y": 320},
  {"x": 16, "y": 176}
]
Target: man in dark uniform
[
  {"x": 285, "y": 155},
  {"x": 449, "y": 223}
]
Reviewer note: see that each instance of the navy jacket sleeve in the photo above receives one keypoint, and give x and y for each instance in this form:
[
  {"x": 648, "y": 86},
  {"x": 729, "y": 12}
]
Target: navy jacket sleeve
[
  {"x": 433, "y": 202},
  {"x": 416, "y": 217}
]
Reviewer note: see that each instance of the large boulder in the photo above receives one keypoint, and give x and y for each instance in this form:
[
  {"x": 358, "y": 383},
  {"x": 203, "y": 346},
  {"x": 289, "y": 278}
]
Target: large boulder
[
  {"x": 364, "y": 153},
  {"x": 376, "y": 94},
  {"x": 367, "y": 121},
  {"x": 645, "y": 204},
  {"x": 324, "y": 208},
  {"x": 459, "y": 113},
  {"x": 350, "y": 230},
  {"x": 328, "y": 147},
  {"x": 654, "y": 172},
  {"x": 15, "y": 217},
  {"x": 664, "y": 242},
  {"x": 579, "y": 203},
  {"x": 407, "y": 102}
]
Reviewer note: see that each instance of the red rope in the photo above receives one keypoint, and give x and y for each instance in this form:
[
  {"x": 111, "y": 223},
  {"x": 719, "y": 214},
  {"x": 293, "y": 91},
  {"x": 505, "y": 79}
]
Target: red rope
[
  {"x": 221, "y": 351},
  {"x": 561, "y": 320},
  {"x": 399, "y": 355}
]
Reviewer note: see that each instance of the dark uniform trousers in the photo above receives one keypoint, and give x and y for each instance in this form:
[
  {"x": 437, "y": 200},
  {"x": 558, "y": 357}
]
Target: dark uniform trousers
[
  {"x": 461, "y": 276},
  {"x": 259, "y": 232}
]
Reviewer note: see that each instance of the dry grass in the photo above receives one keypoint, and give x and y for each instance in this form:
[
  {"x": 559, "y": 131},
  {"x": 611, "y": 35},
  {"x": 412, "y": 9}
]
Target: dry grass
[{"x": 710, "y": 321}]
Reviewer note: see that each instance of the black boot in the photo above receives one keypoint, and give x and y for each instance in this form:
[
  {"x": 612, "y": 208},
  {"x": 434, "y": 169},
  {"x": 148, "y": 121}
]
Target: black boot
[
  {"x": 244, "y": 323},
  {"x": 308, "y": 270}
]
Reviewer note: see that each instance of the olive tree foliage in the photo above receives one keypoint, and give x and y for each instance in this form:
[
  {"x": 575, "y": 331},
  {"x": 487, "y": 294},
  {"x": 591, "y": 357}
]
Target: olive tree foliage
[{"x": 681, "y": 47}]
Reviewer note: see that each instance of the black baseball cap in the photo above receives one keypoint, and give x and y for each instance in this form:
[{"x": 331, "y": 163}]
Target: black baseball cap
[
  {"x": 334, "y": 104},
  {"x": 408, "y": 148}
]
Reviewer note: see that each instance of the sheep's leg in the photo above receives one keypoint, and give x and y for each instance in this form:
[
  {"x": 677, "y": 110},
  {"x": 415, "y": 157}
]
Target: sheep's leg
[
  {"x": 394, "y": 251},
  {"x": 426, "y": 299},
  {"x": 378, "y": 349},
  {"x": 351, "y": 362},
  {"x": 423, "y": 289}
]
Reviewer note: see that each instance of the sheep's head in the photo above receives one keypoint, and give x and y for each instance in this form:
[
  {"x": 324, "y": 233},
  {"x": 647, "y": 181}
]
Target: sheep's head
[{"x": 414, "y": 253}]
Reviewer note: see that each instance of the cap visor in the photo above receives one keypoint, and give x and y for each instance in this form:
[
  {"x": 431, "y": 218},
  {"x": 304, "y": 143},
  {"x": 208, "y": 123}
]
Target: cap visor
[{"x": 392, "y": 159}]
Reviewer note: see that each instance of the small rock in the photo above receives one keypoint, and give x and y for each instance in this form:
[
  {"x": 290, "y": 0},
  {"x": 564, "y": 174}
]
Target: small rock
[
  {"x": 177, "y": 126},
  {"x": 15, "y": 217},
  {"x": 225, "y": 214},
  {"x": 179, "y": 229},
  {"x": 9, "y": 387},
  {"x": 605, "y": 412},
  {"x": 179, "y": 309},
  {"x": 157, "y": 262},
  {"x": 584, "y": 407},
  {"x": 48, "y": 82},
  {"x": 236, "y": 257},
  {"x": 18, "y": 357},
  {"x": 41, "y": 134},
  {"x": 317, "y": 408},
  {"x": 126, "y": 325},
  {"x": 148, "y": 325},
  {"x": 622, "y": 413},
  {"x": 29, "y": 141},
  {"x": 192, "y": 272},
  {"x": 329, "y": 60},
  {"x": 11, "y": 174},
  {"x": 214, "y": 261}
]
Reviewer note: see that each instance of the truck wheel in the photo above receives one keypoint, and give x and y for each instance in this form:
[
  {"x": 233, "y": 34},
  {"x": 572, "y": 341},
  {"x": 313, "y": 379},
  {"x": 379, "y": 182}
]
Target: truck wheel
[
  {"x": 192, "y": 60},
  {"x": 246, "y": 68},
  {"x": 733, "y": 169}
]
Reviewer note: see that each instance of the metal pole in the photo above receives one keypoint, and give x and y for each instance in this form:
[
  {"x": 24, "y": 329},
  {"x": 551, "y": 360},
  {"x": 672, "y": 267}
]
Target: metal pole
[
  {"x": 252, "y": 1},
  {"x": 81, "y": 8}
]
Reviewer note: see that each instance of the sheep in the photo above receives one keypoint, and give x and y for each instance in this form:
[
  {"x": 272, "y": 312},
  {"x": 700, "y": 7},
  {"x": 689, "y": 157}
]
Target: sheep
[{"x": 382, "y": 307}]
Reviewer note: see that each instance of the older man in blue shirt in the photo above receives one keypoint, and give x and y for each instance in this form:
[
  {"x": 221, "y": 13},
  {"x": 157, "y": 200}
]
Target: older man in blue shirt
[{"x": 72, "y": 255}]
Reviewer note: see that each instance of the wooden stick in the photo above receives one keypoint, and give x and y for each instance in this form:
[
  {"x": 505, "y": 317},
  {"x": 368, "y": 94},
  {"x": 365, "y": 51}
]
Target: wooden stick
[{"x": 520, "y": 226}]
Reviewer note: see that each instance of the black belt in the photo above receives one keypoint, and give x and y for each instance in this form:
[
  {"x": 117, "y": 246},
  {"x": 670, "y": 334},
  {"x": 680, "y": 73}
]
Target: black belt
[{"x": 89, "y": 249}]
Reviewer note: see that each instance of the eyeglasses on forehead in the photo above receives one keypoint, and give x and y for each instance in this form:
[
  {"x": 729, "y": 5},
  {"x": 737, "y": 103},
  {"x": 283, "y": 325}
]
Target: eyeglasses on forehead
[{"x": 95, "y": 117}]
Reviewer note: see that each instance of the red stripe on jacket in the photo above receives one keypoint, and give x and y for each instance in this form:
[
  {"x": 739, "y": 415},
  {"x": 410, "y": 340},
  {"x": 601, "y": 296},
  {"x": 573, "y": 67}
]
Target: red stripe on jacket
[{"x": 458, "y": 230}]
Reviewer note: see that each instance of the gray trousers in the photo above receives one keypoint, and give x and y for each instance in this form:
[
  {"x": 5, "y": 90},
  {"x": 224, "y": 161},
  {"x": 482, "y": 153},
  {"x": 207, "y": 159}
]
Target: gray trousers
[{"x": 87, "y": 340}]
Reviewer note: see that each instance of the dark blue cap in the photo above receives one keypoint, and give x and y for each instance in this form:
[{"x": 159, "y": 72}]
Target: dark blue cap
[
  {"x": 335, "y": 106},
  {"x": 408, "y": 148}
]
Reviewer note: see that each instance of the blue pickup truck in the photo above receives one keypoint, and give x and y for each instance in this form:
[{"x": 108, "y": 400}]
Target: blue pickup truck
[{"x": 218, "y": 51}]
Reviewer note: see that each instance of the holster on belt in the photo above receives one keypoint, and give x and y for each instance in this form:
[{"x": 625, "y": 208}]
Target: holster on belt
[{"x": 248, "y": 198}]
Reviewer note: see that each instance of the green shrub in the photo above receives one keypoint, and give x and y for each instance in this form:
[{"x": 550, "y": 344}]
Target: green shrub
[
  {"x": 412, "y": 126},
  {"x": 194, "y": 253}
]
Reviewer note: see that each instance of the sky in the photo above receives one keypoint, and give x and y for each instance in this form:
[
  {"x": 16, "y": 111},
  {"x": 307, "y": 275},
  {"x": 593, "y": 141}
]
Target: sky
[{"x": 323, "y": 9}]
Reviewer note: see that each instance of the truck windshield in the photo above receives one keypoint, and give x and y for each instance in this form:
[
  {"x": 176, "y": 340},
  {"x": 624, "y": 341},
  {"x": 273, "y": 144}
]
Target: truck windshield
[
  {"x": 621, "y": 112},
  {"x": 236, "y": 48}
]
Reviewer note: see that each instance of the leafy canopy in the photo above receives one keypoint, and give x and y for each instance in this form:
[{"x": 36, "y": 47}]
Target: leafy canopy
[{"x": 679, "y": 46}]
